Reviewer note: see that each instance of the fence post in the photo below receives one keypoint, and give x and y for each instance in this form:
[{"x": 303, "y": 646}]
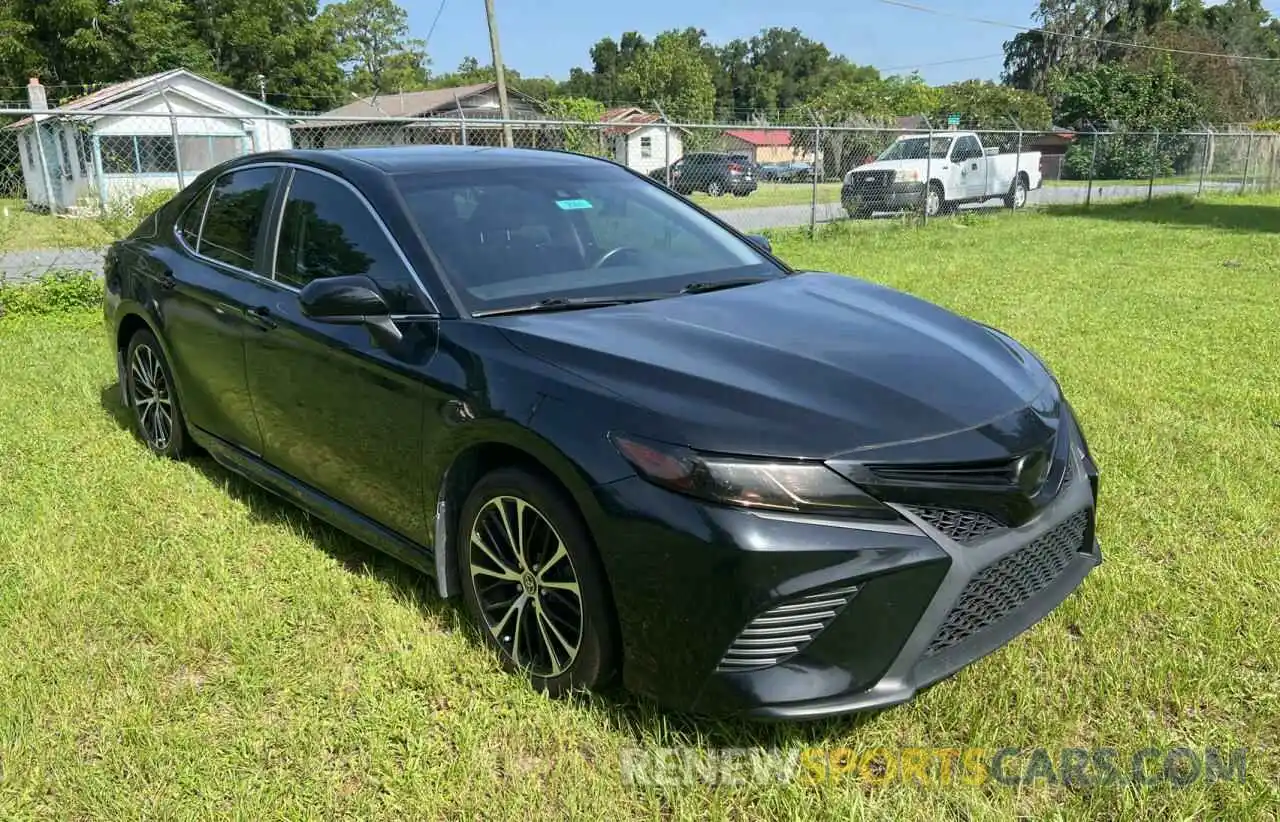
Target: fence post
[
  {"x": 813, "y": 192},
  {"x": 1155, "y": 154},
  {"x": 1248, "y": 155},
  {"x": 666, "y": 142},
  {"x": 1204, "y": 162},
  {"x": 928, "y": 174},
  {"x": 462, "y": 120},
  {"x": 1093, "y": 162},
  {"x": 1017, "y": 160},
  {"x": 97, "y": 173},
  {"x": 1271, "y": 167}
]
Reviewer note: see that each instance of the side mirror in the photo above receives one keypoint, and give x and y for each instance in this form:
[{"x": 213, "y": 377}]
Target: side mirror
[
  {"x": 761, "y": 241},
  {"x": 351, "y": 300},
  {"x": 347, "y": 299}
]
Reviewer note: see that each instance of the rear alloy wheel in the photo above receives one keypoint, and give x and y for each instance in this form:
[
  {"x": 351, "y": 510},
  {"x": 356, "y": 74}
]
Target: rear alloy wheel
[
  {"x": 152, "y": 399},
  {"x": 532, "y": 583},
  {"x": 715, "y": 188}
]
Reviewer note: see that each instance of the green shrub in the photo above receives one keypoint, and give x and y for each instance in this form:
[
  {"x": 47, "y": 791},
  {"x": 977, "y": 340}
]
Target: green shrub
[
  {"x": 58, "y": 291},
  {"x": 122, "y": 217}
]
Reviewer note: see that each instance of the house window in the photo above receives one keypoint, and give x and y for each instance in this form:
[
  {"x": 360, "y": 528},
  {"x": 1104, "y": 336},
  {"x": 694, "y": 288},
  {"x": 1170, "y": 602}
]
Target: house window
[
  {"x": 143, "y": 154},
  {"x": 646, "y": 146}
]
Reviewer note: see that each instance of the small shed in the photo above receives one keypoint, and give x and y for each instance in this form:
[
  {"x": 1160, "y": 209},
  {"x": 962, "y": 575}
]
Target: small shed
[
  {"x": 154, "y": 132},
  {"x": 639, "y": 139}
]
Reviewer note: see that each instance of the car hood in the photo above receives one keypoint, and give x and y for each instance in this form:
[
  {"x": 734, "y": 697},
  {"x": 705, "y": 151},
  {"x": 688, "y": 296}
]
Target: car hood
[
  {"x": 893, "y": 165},
  {"x": 810, "y": 365}
]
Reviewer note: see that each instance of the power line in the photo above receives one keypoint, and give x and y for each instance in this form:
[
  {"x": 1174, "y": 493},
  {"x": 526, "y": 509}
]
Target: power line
[
  {"x": 1102, "y": 40},
  {"x": 434, "y": 20},
  {"x": 942, "y": 62}
]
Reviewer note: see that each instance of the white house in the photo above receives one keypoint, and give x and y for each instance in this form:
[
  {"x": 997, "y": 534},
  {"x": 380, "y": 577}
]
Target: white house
[
  {"x": 154, "y": 132},
  {"x": 639, "y": 139}
]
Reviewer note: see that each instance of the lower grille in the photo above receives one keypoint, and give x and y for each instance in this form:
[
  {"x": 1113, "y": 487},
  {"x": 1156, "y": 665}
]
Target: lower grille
[
  {"x": 1001, "y": 588},
  {"x": 961, "y": 526},
  {"x": 785, "y": 629}
]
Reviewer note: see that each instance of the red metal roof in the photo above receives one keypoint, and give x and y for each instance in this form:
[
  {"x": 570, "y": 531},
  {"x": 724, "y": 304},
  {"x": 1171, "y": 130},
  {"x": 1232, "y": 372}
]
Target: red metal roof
[{"x": 762, "y": 137}]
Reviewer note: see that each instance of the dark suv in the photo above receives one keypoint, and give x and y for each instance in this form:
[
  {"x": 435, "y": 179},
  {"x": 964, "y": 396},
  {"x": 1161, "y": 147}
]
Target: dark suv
[{"x": 716, "y": 174}]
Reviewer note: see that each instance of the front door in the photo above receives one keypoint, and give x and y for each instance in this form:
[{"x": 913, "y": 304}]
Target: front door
[
  {"x": 968, "y": 157},
  {"x": 337, "y": 411}
]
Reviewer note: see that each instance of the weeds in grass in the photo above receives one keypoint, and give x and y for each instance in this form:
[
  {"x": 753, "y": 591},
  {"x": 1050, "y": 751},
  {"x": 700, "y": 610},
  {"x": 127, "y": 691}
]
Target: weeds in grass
[{"x": 58, "y": 291}]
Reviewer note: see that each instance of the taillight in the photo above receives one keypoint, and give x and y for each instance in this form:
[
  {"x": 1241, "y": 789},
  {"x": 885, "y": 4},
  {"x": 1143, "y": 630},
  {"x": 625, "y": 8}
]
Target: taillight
[{"x": 734, "y": 168}]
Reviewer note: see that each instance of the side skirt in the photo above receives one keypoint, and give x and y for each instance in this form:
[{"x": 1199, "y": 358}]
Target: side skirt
[{"x": 321, "y": 505}]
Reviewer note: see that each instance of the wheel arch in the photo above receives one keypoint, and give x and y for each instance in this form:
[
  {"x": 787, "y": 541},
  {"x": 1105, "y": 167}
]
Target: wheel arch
[{"x": 473, "y": 461}]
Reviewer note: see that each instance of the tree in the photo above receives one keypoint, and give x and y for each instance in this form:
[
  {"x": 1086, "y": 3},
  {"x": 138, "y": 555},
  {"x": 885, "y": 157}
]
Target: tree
[
  {"x": 1069, "y": 40},
  {"x": 983, "y": 104},
  {"x": 1116, "y": 98},
  {"x": 586, "y": 138},
  {"x": 283, "y": 40},
  {"x": 674, "y": 76},
  {"x": 375, "y": 47}
]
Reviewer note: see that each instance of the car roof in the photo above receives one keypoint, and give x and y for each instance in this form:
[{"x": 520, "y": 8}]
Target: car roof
[{"x": 416, "y": 159}]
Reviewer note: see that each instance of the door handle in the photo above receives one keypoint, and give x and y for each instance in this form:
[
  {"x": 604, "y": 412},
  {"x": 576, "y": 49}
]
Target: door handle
[
  {"x": 975, "y": 166},
  {"x": 261, "y": 317}
]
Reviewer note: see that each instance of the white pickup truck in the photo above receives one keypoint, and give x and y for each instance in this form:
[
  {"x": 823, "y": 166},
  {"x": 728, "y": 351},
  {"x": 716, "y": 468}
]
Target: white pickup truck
[{"x": 939, "y": 171}]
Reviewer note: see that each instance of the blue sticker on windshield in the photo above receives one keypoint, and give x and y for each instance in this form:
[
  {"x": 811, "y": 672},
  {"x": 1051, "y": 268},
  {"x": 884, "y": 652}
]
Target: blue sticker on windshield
[{"x": 573, "y": 205}]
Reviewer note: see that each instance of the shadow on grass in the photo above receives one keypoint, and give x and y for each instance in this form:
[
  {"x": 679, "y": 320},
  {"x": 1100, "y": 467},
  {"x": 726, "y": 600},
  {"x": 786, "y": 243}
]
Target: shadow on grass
[
  {"x": 638, "y": 717},
  {"x": 1180, "y": 210}
]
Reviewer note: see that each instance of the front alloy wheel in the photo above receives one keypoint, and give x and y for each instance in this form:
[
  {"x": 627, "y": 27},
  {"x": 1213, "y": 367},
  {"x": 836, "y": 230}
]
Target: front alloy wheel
[
  {"x": 533, "y": 584},
  {"x": 529, "y": 594}
]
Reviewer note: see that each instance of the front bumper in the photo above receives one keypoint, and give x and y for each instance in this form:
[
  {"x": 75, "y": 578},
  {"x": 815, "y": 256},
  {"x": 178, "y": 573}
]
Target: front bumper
[
  {"x": 876, "y": 195},
  {"x": 711, "y": 571}
]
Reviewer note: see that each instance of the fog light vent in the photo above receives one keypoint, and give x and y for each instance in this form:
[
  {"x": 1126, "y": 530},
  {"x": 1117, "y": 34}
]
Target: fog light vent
[{"x": 785, "y": 629}]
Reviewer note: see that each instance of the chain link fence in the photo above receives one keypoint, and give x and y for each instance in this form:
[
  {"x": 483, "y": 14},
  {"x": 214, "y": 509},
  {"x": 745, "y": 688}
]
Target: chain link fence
[{"x": 105, "y": 165}]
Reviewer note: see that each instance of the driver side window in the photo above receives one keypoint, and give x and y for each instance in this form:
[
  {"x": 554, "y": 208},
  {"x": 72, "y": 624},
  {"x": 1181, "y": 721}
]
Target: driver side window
[
  {"x": 967, "y": 148},
  {"x": 327, "y": 231}
]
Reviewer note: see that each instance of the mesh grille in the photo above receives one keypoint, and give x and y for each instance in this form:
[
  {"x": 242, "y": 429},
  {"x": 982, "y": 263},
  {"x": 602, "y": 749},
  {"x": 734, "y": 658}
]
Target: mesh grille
[
  {"x": 785, "y": 629},
  {"x": 961, "y": 526},
  {"x": 1000, "y": 589}
]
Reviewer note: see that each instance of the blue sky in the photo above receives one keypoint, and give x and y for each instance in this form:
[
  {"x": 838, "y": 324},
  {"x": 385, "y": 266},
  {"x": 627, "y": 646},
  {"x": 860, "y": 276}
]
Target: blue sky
[{"x": 548, "y": 37}]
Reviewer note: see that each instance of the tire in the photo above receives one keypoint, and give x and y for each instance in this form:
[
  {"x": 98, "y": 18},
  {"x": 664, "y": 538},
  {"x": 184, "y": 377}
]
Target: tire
[
  {"x": 153, "y": 400},
  {"x": 934, "y": 202},
  {"x": 859, "y": 213},
  {"x": 1017, "y": 196},
  {"x": 715, "y": 188},
  {"x": 536, "y": 641}
]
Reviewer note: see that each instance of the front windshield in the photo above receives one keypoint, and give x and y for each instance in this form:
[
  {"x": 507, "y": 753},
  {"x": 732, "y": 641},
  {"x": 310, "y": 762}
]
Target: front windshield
[
  {"x": 517, "y": 235},
  {"x": 913, "y": 148}
]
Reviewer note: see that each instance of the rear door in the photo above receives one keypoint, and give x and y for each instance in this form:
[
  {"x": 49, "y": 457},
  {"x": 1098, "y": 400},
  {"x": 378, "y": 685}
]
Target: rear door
[
  {"x": 204, "y": 288},
  {"x": 339, "y": 412}
]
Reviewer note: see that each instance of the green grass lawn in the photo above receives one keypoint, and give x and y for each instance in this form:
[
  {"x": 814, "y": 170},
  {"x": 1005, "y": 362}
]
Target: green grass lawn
[
  {"x": 771, "y": 194},
  {"x": 177, "y": 644},
  {"x": 22, "y": 230}
]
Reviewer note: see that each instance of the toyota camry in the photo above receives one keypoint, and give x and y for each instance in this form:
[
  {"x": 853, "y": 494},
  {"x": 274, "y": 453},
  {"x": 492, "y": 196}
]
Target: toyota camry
[{"x": 637, "y": 445}]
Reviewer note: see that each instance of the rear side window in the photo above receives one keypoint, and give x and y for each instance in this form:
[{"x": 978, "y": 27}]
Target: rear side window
[
  {"x": 235, "y": 216},
  {"x": 328, "y": 231},
  {"x": 189, "y": 225}
]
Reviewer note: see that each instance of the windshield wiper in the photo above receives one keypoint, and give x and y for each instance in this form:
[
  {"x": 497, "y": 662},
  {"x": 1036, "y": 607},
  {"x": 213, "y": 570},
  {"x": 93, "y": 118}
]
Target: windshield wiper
[
  {"x": 702, "y": 288},
  {"x": 562, "y": 304}
]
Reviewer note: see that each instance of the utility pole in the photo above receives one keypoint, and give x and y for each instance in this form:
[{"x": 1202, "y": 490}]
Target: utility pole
[
  {"x": 262, "y": 87},
  {"x": 503, "y": 107}
]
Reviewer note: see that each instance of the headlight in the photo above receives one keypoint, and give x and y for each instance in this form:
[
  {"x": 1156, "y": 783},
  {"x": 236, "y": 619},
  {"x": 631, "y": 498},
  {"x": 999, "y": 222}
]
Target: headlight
[
  {"x": 748, "y": 483},
  {"x": 906, "y": 175}
]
